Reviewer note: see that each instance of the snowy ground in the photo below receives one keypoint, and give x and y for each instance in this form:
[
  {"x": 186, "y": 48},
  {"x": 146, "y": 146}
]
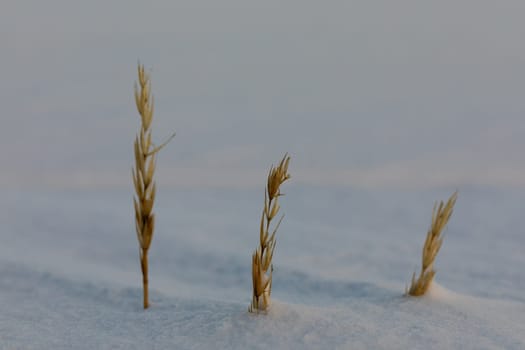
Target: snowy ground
[{"x": 70, "y": 277}]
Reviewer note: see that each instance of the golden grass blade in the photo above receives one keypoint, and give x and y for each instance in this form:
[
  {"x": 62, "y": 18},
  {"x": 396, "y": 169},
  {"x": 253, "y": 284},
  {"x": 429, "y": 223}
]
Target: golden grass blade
[
  {"x": 156, "y": 149},
  {"x": 151, "y": 169},
  {"x": 136, "y": 183},
  {"x": 262, "y": 232},
  {"x": 441, "y": 214},
  {"x": 262, "y": 269},
  {"x": 139, "y": 157},
  {"x": 275, "y": 209},
  {"x": 143, "y": 173}
]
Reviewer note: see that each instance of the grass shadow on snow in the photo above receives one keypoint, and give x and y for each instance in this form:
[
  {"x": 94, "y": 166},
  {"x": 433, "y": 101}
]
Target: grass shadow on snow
[{"x": 299, "y": 287}]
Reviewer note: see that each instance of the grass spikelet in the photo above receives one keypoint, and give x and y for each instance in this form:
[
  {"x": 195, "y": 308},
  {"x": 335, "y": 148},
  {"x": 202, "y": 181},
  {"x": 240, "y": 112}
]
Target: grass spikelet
[
  {"x": 440, "y": 215},
  {"x": 262, "y": 257},
  {"x": 145, "y": 162}
]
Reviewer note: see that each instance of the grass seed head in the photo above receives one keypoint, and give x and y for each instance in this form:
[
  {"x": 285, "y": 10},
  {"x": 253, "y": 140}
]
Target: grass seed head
[
  {"x": 262, "y": 257},
  {"x": 441, "y": 214},
  {"x": 143, "y": 173}
]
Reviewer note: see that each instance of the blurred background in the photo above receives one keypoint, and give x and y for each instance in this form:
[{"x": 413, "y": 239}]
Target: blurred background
[{"x": 381, "y": 94}]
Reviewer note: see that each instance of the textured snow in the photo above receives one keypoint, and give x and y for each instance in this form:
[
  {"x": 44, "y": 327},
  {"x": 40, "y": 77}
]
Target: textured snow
[{"x": 70, "y": 276}]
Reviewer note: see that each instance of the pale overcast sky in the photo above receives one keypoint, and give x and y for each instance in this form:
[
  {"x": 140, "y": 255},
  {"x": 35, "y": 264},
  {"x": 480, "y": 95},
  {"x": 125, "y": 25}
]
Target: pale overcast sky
[{"x": 360, "y": 93}]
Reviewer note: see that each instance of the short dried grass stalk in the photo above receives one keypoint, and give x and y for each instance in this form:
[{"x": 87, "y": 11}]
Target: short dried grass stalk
[
  {"x": 145, "y": 161},
  {"x": 440, "y": 215},
  {"x": 262, "y": 267}
]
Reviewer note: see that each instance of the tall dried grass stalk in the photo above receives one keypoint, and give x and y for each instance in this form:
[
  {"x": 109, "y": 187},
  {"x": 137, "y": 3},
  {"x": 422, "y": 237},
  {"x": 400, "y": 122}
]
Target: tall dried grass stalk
[
  {"x": 440, "y": 215},
  {"x": 145, "y": 161},
  {"x": 262, "y": 267}
]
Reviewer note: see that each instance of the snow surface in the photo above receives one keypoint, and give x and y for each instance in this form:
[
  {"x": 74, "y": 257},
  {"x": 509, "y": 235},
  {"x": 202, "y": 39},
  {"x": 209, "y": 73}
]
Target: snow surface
[{"x": 70, "y": 276}]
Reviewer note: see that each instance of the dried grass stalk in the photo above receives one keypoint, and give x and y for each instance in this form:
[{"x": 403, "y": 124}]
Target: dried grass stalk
[
  {"x": 145, "y": 161},
  {"x": 440, "y": 215},
  {"x": 262, "y": 257}
]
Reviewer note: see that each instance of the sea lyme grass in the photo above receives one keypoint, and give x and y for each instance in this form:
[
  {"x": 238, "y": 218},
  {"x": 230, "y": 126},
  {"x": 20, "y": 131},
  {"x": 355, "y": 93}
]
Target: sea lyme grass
[
  {"x": 262, "y": 267},
  {"x": 145, "y": 162},
  {"x": 441, "y": 214}
]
